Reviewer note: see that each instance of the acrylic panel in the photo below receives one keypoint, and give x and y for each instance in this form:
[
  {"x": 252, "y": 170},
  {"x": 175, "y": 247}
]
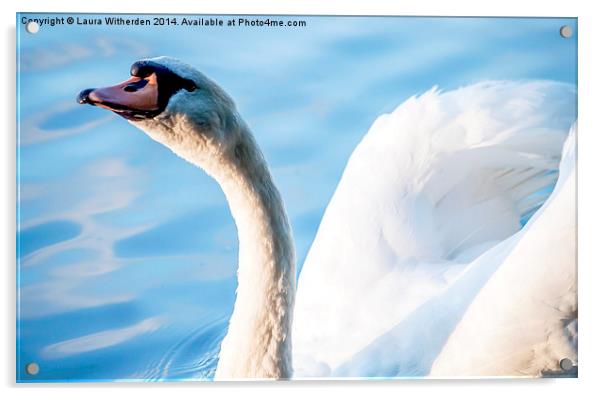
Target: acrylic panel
[{"x": 231, "y": 197}]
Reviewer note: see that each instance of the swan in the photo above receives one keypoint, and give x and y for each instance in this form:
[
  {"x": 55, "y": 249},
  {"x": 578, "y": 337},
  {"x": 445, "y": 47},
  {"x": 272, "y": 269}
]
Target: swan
[{"x": 444, "y": 250}]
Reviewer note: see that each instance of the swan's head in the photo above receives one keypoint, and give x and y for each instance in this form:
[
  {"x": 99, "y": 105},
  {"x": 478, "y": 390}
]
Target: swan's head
[{"x": 176, "y": 105}]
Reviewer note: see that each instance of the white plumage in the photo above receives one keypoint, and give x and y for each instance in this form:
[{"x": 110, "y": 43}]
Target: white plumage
[
  {"x": 421, "y": 264},
  {"x": 427, "y": 213},
  {"x": 523, "y": 321}
]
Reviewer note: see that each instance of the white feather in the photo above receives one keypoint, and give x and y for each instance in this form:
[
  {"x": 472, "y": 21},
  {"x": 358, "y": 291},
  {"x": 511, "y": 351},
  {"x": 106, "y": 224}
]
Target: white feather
[
  {"x": 523, "y": 321},
  {"x": 413, "y": 231}
]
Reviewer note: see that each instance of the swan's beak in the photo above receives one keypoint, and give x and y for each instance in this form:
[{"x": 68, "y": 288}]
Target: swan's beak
[{"x": 134, "y": 95}]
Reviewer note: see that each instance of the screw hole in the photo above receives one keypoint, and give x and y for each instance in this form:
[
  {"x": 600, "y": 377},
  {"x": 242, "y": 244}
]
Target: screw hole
[
  {"x": 566, "y": 364},
  {"x": 32, "y": 368},
  {"x": 566, "y": 31},
  {"x": 32, "y": 27}
]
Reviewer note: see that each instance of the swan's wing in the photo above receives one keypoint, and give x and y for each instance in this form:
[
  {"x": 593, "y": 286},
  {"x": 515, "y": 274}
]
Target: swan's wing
[
  {"x": 524, "y": 320},
  {"x": 520, "y": 323},
  {"x": 432, "y": 185}
]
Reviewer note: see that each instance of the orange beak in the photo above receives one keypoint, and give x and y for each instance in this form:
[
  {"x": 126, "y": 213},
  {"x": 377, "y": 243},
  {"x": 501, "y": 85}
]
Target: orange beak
[{"x": 135, "y": 93}]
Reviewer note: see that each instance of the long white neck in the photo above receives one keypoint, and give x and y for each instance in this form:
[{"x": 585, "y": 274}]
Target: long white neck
[{"x": 258, "y": 342}]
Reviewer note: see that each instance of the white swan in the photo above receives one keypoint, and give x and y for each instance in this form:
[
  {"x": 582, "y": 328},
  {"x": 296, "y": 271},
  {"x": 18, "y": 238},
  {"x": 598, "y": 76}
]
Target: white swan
[{"x": 420, "y": 265}]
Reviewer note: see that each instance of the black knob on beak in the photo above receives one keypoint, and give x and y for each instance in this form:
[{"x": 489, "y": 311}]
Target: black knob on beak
[
  {"x": 83, "y": 96},
  {"x": 144, "y": 69}
]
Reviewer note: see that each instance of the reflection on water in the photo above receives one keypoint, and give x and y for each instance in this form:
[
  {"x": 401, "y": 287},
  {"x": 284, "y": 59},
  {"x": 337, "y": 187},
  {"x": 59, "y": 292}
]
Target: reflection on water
[
  {"x": 70, "y": 118},
  {"x": 194, "y": 356},
  {"x": 206, "y": 230},
  {"x": 45, "y": 234},
  {"x": 127, "y": 254}
]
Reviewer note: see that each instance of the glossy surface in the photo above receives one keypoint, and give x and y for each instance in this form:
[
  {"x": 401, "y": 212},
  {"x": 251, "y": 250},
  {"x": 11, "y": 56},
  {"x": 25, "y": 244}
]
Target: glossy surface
[{"x": 127, "y": 254}]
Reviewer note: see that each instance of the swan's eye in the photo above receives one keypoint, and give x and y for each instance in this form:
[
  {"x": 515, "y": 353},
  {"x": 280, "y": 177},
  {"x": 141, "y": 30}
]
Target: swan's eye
[
  {"x": 135, "y": 86},
  {"x": 189, "y": 85}
]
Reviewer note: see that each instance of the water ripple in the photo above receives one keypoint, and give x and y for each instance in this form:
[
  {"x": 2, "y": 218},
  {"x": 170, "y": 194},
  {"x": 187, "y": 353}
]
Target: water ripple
[
  {"x": 194, "y": 357},
  {"x": 40, "y": 236}
]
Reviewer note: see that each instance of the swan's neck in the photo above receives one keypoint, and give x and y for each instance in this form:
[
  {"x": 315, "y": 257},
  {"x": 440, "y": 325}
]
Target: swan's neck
[{"x": 258, "y": 343}]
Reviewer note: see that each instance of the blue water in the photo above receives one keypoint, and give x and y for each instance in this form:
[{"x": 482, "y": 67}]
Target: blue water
[{"x": 127, "y": 254}]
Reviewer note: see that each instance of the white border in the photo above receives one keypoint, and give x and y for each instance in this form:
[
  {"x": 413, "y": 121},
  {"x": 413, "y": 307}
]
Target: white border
[{"x": 589, "y": 179}]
